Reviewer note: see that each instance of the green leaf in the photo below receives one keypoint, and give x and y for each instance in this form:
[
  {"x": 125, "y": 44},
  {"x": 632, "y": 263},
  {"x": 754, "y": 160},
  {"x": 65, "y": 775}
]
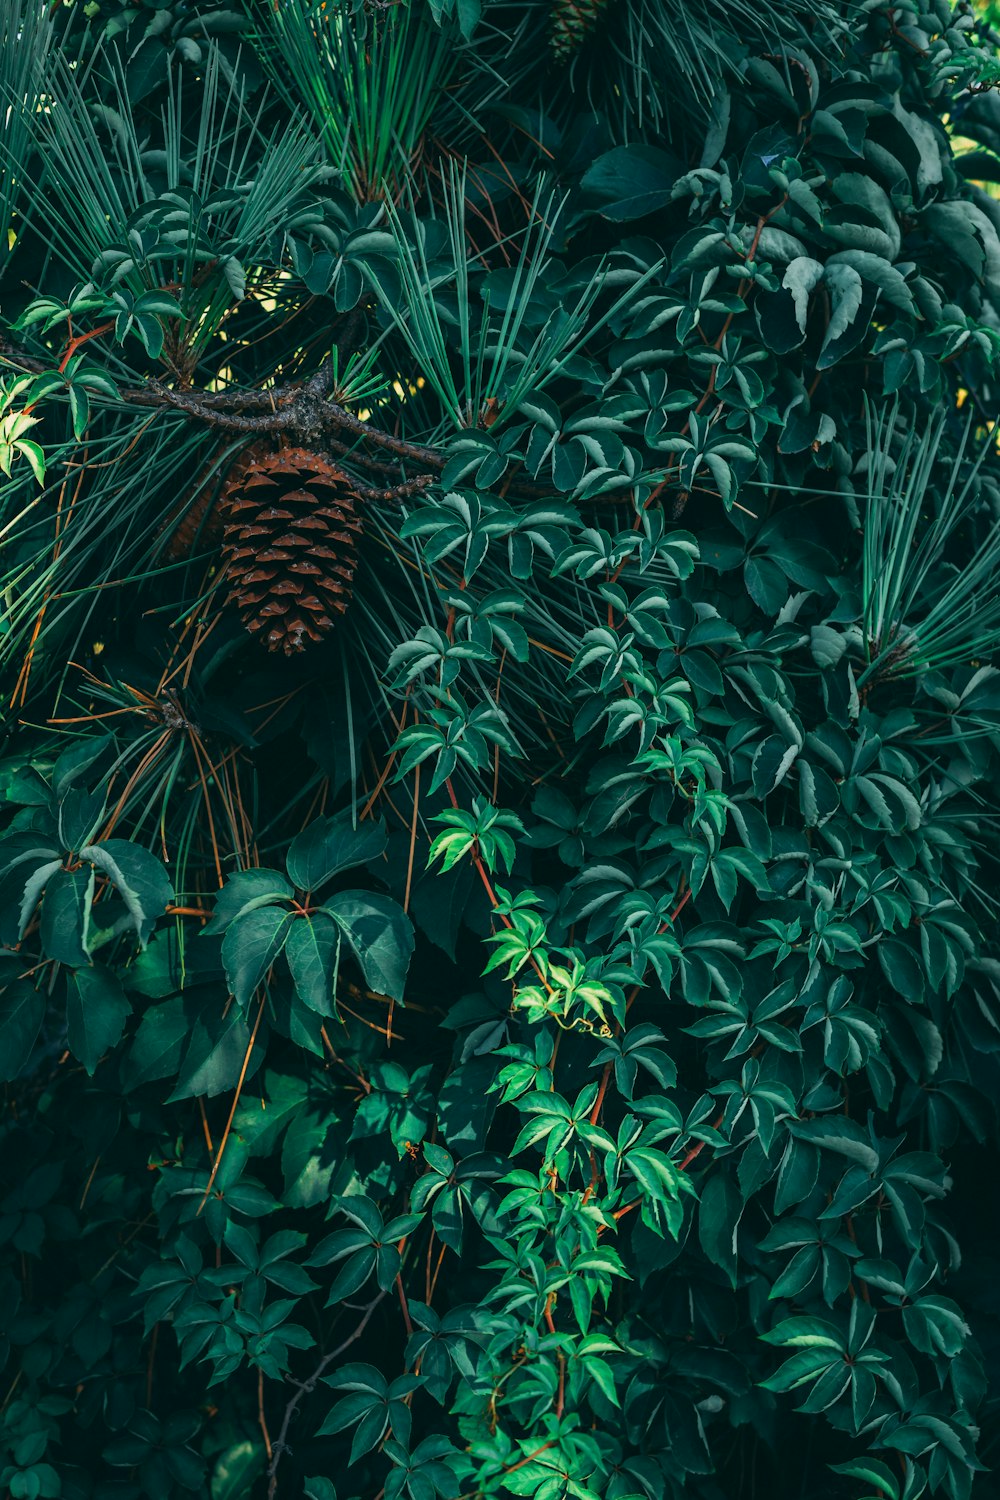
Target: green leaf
[
  {"x": 631, "y": 181},
  {"x": 328, "y": 847},
  {"x": 801, "y": 277},
  {"x": 319, "y": 1488},
  {"x": 873, "y": 1471},
  {"x": 245, "y": 891},
  {"x": 139, "y": 878},
  {"x": 806, "y": 1366},
  {"x": 75, "y": 760},
  {"x": 806, "y": 1333},
  {"x": 312, "y": 951},
  {"x": 901, "y": 967},
  {"x": 215, "y": 1056},
  {"x": 96, "y": 1012},
  {"x": 158, "y": 1044},
  {"x": 719, "y": 1212},
  {"x": 79, "y": 407},
  {"x": 843, "y": 1136},
  {"x": 65, "y": 925},
  {"x": 935, "y": 1326},
  {"x": 32, "y": 891},
  {"x": 380, "y": 936},
  {"x": 846, "y": 295},
  {"x": 35, "y": 455},
  {"x": 80, "y": 815},
  {"x": 22, "y": 1010},
  {"x": 250, "y": 947},
  {"x": 237, "y": 1470}
]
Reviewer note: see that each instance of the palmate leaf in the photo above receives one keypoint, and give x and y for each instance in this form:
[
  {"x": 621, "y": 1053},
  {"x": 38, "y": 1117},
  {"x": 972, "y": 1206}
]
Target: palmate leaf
[
  {"x": 261, "y": 920},
  {"x": 213, "y": 197},
  {"x": 372, "y": 1407}
]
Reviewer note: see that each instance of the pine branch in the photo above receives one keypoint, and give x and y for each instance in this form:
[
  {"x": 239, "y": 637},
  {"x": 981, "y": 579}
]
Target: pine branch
[{"x": 301, "y": 410}]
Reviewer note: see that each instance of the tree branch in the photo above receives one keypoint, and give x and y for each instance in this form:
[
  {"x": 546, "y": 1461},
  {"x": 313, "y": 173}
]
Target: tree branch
[
  {"x": 301, "y": 409},
  {"x": 307, "y": 1387}
]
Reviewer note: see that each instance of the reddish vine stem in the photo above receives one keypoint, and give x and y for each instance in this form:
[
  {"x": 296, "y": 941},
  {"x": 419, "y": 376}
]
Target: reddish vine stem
[
  {"x": 404, "y": 1305},
  {"x": 261, "y": 1417},
  {"x": 550, "y": 1324},
  {"x": 491, "y": 893},
  {"x": 236, "y": 1099},
  {"x": 709, "y": 390},
  {"x": 530, "y": 1457},
  {"x": 699, "y": 1146},
  {"x": 437, "y": 1271}
]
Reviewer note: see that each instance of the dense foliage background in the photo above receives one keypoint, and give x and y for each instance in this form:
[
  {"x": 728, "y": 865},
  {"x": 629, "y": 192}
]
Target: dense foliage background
[{"x": 501, "y": 569}]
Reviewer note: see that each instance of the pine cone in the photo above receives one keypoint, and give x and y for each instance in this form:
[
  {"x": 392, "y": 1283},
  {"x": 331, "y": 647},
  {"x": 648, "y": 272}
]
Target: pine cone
[
  {"x": 573, "y": 21},
  {"x": 290, "y": 545}
]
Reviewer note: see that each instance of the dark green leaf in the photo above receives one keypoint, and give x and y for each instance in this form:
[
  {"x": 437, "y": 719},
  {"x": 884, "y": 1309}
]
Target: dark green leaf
[
  {"x": 312, "y": 949},
  {"x": 22, "y": 1010},
  {"x": 330, "y": 846},
  {"x": 139, "y": 878},
  {"x": 250, "y": 947},
  {"x": 96, "y": 1012},
  {"x": 379, "y": 934}
]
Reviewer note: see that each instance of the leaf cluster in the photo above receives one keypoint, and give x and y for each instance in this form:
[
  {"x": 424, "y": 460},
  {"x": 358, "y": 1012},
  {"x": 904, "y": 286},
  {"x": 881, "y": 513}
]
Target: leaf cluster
[{"x": 543, "y": 1040}]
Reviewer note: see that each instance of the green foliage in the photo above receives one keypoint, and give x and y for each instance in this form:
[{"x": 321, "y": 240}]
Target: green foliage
[
  {"x": 370, "y": 86},
  {"x": 542, "y": 1040},
  {"x": 906, "y": 577}
]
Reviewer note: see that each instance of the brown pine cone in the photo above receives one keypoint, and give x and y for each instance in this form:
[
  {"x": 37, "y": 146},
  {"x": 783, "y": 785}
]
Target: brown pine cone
[{"x": 290, "y": 545}]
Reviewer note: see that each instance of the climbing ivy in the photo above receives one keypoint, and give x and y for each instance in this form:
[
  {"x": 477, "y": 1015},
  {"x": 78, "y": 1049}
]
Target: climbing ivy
[{"x": 541, "y": 1038}]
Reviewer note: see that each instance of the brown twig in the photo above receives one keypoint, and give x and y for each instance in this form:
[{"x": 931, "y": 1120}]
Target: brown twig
[
  {"x": 529, "y": 1457},
  {"x": 302, "y": 409},
  {"x": 404, "y": 1305},
  {"x": 261, "y": 1418},
  {"x": 232, "y": 1111},
  {"x": 280, "y": 1444}
]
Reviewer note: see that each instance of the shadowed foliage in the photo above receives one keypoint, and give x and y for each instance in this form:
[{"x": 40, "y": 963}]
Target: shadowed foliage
[{"x": 500, "y": 510}]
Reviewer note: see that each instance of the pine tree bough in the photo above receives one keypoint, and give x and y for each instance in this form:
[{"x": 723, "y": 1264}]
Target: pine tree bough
[{"x": 301, "y": 410}]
